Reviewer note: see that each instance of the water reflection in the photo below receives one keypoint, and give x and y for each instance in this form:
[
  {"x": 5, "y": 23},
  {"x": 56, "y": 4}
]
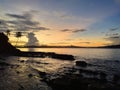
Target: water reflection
[
  {"x": 23, "y": 74},
  {"x": 16, "y": 76}
]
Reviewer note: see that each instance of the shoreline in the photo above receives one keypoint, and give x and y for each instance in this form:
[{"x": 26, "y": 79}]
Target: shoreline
[{"x": 68, "y": 79}]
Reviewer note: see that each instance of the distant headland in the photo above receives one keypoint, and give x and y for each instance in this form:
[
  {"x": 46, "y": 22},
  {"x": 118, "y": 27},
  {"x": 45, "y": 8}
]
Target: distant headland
[{"x": 71, "y": 46}]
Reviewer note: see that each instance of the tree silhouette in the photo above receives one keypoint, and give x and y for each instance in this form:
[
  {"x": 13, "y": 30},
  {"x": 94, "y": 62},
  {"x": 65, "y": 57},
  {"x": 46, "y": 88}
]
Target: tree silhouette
[
  {"x": 18, "y": 35},
  {"x": 8, "y": 32}
]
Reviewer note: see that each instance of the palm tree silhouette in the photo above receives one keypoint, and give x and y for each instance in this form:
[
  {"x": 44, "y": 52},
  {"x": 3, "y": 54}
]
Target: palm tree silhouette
[
  {"x": 18, "y": 35},
  {"x": 8, "y": 32}
]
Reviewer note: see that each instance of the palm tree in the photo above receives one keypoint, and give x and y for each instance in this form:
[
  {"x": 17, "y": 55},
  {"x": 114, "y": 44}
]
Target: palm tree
[
  {"x": 18, "y": 35},
  {"x": 8, "y": 32}
]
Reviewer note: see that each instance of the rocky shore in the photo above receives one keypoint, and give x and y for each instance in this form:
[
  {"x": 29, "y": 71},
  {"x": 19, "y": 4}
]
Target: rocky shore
[
  {"x": 68, "y": 79},
  {"x": 74, "y": 79},
  {"x": 45, "y": 54}
]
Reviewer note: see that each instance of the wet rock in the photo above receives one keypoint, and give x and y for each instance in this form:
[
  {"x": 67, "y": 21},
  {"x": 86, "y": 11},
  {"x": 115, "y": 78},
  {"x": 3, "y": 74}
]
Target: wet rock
[
  {"x": 46, "y": 54},
  {"x": 1, "y": 68},
  {"x": 42, "y": 74},
  {"x": 63, "y": 56},
  {"x": 81, "y": 63},
  {"x": 116, "y": 78},
  {"x": 89, "y": 72},
  {"x": 14, "y": 66},
  {"x": 77, "y": 82},
  {"x": 30, "y": 75},
  {"x": 22, "y": 61},
  {"x": 103, "y": 77},
  {"x": 17, "y": 72},
  {"x": 21, "y": 87},
  {"x": 2, "y": 63}
]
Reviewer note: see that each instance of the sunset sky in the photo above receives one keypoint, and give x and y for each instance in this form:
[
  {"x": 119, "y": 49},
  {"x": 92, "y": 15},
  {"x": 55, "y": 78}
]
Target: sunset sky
[{"x": 62, "y": 22}]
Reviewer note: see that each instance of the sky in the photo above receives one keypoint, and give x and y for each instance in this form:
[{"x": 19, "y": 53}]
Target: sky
[{"x": 88, "y": 23}]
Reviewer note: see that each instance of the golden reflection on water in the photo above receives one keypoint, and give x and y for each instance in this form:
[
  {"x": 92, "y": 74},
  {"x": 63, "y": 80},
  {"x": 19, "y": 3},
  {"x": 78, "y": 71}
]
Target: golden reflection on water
[
  {"x": 47, "y": 64},
  {"x": 17, "y": 77}
]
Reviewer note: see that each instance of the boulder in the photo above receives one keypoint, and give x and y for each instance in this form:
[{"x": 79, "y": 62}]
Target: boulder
[{"x": 81, "y": 63}]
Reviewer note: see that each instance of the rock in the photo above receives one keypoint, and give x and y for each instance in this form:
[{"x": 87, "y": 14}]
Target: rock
[
  {"x": 2, "y": 63},
  {"x": 62, "y": 81},
  {"x": 21, "y": 87},
  {"x": 103, "y": 76},
  {"x": 81, "y": 63},
  {"x": 42, "y": 74},
  {"x": 62, "y": 56},
  {"x": 116, "y": 78},
  {"x": 89, "y": 72},
  {"x": 1, "y": 68},
  {"x": 30, "y": 75},
  {"x": 17, "y": 72},
  {"x": 22, "y": 61},
  {"x": 46, "y": 54}
]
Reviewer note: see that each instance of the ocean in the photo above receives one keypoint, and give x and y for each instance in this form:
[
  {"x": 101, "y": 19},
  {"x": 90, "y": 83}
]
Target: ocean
[{"x": 107, "y": 60}]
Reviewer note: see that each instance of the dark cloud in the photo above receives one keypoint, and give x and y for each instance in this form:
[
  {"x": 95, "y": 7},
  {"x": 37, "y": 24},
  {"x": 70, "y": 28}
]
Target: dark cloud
[
  {"x": 65, "y": 30},
  {"x": 114, "y": 29},
  {"x": 73, "y": 30},
  {"x": 3, "y": 25},
  {"x": 112, "y": 34},
  {"x": 22, "y": 22},
  {"x": 114, "y": 37},
  {"x": 79, "y": 30},
  {"x": 115, "y": 40},
  {"x": 16, "y": 16},
  {"x": 85, "y": 42}
]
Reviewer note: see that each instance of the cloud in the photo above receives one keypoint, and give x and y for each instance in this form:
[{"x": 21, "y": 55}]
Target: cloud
[
  {"x": 79, "y": 30},
  {"x": 3, "y": 25},
  {"x": 32, "y": 40},
  {"x": 113, "y": 34},
  {"x": 16, "y": 16},
  {"x": 85, "y": 42},
  {"x": 73, "y": 30},
  {"x": 114, "y": 37},
  {"x": 114, "y": 29},
  {"x": 22, "y": 22},
  {"x": 115, "y": 40},
  {"x": 65, "y": 30}
]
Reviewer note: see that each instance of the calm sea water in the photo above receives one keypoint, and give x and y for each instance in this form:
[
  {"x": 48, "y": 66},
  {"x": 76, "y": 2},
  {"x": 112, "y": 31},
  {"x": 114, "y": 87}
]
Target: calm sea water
[{"x": 107, "y": 60}]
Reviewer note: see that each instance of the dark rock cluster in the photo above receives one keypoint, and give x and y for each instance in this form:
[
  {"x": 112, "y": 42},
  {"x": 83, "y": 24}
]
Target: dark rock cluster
[{"x": 74, "y": 79}]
